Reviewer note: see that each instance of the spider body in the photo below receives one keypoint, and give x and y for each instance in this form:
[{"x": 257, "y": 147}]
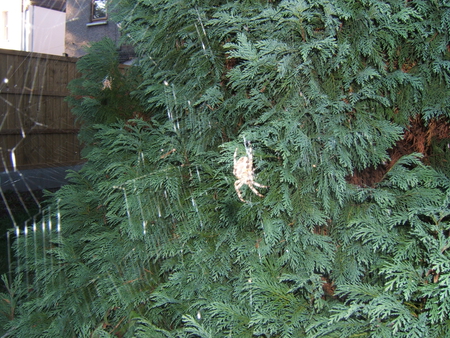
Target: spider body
[{"x": 243, "y": 170}]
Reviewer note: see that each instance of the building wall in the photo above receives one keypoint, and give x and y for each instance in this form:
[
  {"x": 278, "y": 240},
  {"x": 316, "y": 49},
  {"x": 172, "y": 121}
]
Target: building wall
[
  {"x": 31, "y": 28},
  {"x": 11, "y": 24},
  {"x": 47, "y": 30},
  {"x": 48, "y": 33},
  {"x": 80, "y": 30}
]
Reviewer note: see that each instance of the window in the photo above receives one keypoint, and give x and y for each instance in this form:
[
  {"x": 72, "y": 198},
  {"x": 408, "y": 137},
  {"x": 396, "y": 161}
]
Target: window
[
  {"x": 98, "y": 10},
  {"x": 4, "y": 23}
]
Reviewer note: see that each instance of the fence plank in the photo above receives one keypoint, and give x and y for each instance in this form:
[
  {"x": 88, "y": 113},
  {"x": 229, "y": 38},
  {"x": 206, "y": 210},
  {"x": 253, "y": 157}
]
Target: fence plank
[{"x": 37, "y": 129}]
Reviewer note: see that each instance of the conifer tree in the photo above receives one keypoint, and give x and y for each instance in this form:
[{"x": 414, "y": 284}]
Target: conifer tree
[
  {"x": 101, "y": 95},
  {"x": 155, "y": 240}
]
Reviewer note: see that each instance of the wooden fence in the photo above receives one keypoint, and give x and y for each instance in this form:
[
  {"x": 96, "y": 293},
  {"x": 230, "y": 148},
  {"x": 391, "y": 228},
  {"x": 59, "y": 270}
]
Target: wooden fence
[{"x": 37, "y": 129}]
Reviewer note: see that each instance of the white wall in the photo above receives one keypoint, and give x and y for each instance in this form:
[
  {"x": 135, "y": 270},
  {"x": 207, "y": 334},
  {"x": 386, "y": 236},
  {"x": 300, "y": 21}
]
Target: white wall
[
  {"x": 48, "y": 30},
  {"x": 11, "y": 24},
  {"x": 31, "y": 28}
]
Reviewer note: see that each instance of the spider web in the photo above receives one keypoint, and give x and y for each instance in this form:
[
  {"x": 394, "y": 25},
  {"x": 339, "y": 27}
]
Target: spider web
[
  {"x": 35, "y": 142},
  {"x": 24, "y": 216}
]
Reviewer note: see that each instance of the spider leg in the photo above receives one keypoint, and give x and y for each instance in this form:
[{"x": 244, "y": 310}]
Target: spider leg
[
  {"x": 235, "y": 161},
  {"x": 237, "y": 186},
  {"x": 260, "y": 185},
  {"x": 249, "y": 151},
  {"x": 254, "y": 190}
]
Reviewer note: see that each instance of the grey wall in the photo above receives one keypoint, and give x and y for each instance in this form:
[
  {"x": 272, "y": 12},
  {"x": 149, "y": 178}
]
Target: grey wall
[{"x": 80, "y": 30}]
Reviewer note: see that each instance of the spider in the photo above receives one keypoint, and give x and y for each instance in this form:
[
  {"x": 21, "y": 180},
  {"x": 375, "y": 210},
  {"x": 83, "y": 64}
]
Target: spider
[
  {"x": 107, "y": 83},
  {"x": 243, "y": 170}
]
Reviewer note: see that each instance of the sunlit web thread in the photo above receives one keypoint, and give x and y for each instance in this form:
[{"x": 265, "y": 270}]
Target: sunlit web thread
[
  {"x": 194, "y": 204},
  {"x": 8, "y": 253},
  {"x": 23, "y": 118},
  {"x": 204, "y": 32},
  {"x": 168, "y": 92},
  {"x": 58, "y": 217},
  {"x": 50, "y": 233},
  {"x": 13, "y": 183},
  {"x": 141, "y": 209},
  {"x": 6, "y": 83},
  {"x": 44, "y": 256},
  {"x": 171, "y": 104},
  {"x": 8, "y": 208},
  {"x": 34, "y": 228},
  {"x": 125, "y": 196},
  {"x": 18, "y": 268},
  {"x": 41, "y": 239},
  {"x": 151, "y": 209},
  {"x": 16, "y": 233},
  {"x": 132, "y": 182},
  {"x": 25, "y": 232},
  {"x": 20, "y": 113},
  {"x": 23, "y": 125}
]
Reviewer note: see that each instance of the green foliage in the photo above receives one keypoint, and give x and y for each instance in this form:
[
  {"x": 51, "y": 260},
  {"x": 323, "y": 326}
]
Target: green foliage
[
  {"x": 10, "y": 299},
  {"x": 153, "y": 240},
  {"x": 405, "y": 224},
  {"x": 102, "y": 93}
]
